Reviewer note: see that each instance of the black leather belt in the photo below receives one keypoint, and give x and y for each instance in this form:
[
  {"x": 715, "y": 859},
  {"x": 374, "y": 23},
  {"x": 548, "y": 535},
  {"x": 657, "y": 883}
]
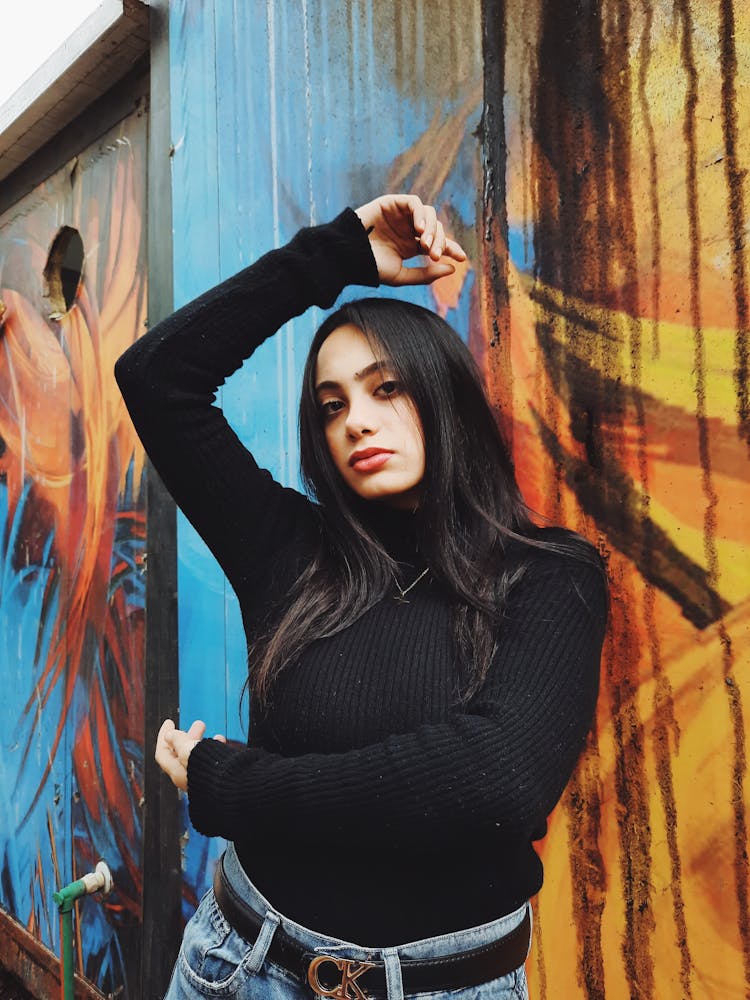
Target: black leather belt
[{"x": 350, "y": 979}]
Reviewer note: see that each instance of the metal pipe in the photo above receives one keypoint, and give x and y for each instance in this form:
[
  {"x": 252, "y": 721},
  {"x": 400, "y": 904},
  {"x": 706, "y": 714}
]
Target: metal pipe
[{"x": 100, "y": 880}]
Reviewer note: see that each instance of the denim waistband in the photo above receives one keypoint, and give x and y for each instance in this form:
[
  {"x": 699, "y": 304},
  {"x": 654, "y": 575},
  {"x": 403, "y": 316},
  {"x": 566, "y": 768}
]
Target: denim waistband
[{"x": 427, "y": 948}]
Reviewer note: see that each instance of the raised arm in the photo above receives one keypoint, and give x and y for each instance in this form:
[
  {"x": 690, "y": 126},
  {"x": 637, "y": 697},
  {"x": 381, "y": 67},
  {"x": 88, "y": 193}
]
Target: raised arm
[{"x": 169, "y": 378}]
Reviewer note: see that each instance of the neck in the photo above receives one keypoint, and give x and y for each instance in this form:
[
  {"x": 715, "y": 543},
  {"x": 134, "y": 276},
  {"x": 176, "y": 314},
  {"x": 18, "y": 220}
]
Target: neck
[{"x": 397, "y": 529}]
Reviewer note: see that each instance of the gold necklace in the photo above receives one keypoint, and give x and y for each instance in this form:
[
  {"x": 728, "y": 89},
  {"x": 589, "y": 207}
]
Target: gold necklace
[{"x": 400, "y": 597}]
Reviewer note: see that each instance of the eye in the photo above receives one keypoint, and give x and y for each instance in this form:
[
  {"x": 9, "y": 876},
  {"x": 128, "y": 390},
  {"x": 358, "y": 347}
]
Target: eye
[
  {"x": 389, "y": 388},
  {"x": 331, "y": 407}
]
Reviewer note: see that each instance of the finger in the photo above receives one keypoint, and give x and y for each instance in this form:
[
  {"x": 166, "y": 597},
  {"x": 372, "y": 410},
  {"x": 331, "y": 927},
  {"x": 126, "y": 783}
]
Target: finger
[
  {"x": 414, "y": 205},
  {"x": 438, "y": 243},
  {"x": 164, "y": 736},
  {"x": 430, "y": 224},
  {"x": 167, "y": 726},
  {"x": 220, "y": 738},
  {"x": 172, "y": 767},
  {"x": 424, "y": 275},
  {"x": 371, "y": 214},
  {"x": 197, "y": 729},
  {"x": 176, "y": 774},
  {"x": 183, "y": 745},
  {"x": 454, "y": 250}
]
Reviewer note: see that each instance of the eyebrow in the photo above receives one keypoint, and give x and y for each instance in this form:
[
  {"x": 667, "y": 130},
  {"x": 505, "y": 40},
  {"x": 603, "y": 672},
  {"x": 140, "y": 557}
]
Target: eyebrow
[{"x": 358, "y": 376}]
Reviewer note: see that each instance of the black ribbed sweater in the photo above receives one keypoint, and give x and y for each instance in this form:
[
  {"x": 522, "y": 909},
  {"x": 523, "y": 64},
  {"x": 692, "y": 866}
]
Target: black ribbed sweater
[{"x": 368, "y": 804}]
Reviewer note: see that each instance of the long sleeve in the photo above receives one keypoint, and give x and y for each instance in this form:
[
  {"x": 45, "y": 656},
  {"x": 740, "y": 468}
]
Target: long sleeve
[
  {"x": 170, "y": 376},
  {"x": 500, "y": 765}
]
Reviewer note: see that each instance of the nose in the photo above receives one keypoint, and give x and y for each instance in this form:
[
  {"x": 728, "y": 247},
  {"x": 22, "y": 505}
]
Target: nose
[{"x": 361, "y": 418}]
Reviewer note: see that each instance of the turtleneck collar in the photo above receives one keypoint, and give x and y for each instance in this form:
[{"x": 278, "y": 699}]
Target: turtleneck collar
[{"x": 395, "y": 528}]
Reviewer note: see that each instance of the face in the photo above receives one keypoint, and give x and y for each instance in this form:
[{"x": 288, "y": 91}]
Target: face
[{"x": 373, "y": 431}]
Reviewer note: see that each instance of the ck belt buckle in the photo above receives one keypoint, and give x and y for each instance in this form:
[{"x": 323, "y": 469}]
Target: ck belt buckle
[{"x": 349, "y": 970}]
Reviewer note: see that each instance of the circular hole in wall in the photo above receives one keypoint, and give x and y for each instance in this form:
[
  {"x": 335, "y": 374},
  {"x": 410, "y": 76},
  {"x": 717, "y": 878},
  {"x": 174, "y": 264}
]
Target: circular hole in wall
[{"x": 62, "y": 272}]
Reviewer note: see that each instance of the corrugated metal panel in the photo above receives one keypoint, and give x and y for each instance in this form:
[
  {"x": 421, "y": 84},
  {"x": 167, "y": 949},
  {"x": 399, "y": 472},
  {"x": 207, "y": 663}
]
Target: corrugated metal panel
[{"x": 284, "y": 113}]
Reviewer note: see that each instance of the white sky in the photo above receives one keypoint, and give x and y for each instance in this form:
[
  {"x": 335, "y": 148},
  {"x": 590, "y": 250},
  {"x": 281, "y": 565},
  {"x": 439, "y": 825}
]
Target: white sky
[{"x": 33, "y": 30}]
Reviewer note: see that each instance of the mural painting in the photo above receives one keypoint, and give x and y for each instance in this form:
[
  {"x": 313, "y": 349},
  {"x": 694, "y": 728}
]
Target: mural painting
[
  {"x": 72, "y": 535},
  {"x": 602, "y": 198},
  {"x": 628, "y": 323}
]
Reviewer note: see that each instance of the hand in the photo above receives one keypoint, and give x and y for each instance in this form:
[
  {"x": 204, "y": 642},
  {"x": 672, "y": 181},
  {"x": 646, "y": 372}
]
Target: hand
[
  {"x": 403, "y": 227},
  {"x": 174, "y": 746}
]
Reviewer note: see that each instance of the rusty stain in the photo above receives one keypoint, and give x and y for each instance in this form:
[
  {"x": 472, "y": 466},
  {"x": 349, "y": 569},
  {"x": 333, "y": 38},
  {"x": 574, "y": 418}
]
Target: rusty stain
[
  {"x": 735, "y": 203},
  {"x": 645, "y": 62},
  {"x": 541, "y": 968},
  {"x": 422, "y": 60},
  {"x": 494, "y": 290},
  {"x": 583, "y": 807}
]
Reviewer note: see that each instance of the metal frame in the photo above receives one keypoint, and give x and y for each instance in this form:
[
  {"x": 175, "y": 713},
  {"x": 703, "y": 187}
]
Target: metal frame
[{"x": 162, "y": 869}]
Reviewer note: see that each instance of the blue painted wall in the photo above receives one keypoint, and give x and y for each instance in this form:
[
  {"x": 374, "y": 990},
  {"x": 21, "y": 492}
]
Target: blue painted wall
[{"x": 283, "y": 114}]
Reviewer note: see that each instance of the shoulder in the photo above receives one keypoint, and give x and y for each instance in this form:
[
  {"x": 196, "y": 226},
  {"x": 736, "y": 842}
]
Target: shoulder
[
  {"x": 556, "y": 562},
  {"x": 554, "y": 547}
]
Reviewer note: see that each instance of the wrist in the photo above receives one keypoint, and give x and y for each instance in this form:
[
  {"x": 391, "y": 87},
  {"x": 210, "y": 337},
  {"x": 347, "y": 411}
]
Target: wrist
[{"x": 367, "y": 215}]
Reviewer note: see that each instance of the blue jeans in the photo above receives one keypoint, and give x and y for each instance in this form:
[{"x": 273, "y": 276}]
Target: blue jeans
[{"x": 215, "y": 961}]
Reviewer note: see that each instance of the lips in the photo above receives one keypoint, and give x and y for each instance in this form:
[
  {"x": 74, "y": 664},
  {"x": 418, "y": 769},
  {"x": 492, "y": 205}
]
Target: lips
[{"x": 369, "y": 459}]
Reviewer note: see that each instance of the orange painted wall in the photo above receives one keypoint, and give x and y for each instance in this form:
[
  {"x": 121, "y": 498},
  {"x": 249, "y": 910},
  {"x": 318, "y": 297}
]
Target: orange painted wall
[{"x": 627, "y": 131}]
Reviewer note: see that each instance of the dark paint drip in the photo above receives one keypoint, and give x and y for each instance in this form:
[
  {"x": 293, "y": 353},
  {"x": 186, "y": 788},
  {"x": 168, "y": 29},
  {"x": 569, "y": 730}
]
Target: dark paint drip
[
  {"x": 645, "y": 63},
  {"x": 402, "y": 55},
  {"x": 664, "y": 723},
  {"x": 542, "y": 176},
  {"x": 555, "y": 475},
  {"x": 495, "y": 261},
  {"x": 417, "y": 58},
  {"x": 634, "y": 816},
  {"x": 739, "y": 763},
  {"x": 736, "y": 202},
  {"x": 524, "y": 98},
  {"x": 587, "y": 865},
  {"x": 541, "y": 968},
  {"x": 739, "y": 772}
]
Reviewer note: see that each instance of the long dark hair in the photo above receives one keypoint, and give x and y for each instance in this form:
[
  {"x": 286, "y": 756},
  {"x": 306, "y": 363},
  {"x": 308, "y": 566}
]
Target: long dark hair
[{"x": 470, "y": 506}]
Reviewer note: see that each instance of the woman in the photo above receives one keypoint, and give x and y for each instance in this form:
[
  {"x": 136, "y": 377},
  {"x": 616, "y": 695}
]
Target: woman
[{"x": 423, "y": 660}]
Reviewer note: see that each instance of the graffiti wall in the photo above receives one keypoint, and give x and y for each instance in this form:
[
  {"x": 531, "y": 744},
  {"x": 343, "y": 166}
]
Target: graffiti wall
[
  {"x": 72, "y": 533},
  {"x": 602, "y": 199},
  {"x": 626, "y": 136}
]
